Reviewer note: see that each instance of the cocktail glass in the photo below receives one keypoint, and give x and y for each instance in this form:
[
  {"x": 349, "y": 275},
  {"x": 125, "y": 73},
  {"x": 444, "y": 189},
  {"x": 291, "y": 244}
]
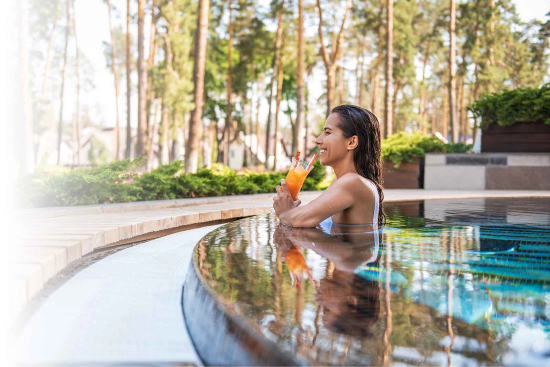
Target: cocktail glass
[{"x": 296, "y": 176}]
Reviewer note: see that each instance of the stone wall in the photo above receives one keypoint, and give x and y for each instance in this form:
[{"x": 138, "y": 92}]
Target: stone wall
[{"x": 487, "y": 171}]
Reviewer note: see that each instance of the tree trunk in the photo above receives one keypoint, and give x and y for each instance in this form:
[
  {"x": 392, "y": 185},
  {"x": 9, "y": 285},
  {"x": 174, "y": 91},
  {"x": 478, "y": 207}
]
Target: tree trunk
[
  {"x": 306, "y": 110},
  {"x": 142, "y": 79},
  {"x": 258, "y": 130},
  {"x": 434, "y": 111},
  {"x": 228, "y": 117},
  {"x": 445, "y": 119},
  {"x": 464, "y": 126},
  {"x": 278, "y": 41},
  {"x": 377, "y": 62},
  {"x": 128, "y": 153},
  {"x": 76, "y": 128},
  {"x": 249, "y": 156},
  {"x": 17, "y": 112},
  {"x": 474, "y": 98},
  {"x": 150, "y": 91},
  {"x": 165, "y": 128},
  {"x": 300, "y": 109},
  {"x": 277, "y": 109},
  {"x": 452, "y": 75},
  {"x": 361, "y": 74},
  {"x": 342, "y": 85},
  {"x": 422, "y": 109},
  {"x": 396, "y": 126},
  {"x": 48, "y": 55},
  {"x": 60, "y": 125},
  {"x": 492, "y": 33},
  {"x": 388, "y": 123},
  {"x": 376, "y": 93},
  {"x": 174, "y": 154},
  {"x": 331, "y": 88},
  {"x": 201, "y": 39},
  {"x": 331, "y": 60},
  {"x": 153, "y": 133},
  {"x": 115, "y": 75}
]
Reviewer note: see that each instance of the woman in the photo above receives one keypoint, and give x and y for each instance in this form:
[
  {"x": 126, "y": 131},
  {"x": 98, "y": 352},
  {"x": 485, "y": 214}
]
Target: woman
[{"x": 350, "y": 144}]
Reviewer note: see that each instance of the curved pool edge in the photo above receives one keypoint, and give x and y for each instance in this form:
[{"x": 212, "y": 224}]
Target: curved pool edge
[{"x": 221, "y": 337}]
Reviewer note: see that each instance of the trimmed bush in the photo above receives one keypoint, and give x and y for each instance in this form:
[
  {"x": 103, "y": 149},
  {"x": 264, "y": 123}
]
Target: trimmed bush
[
  {"x": 403, "y": 147},
  {"x": 119, "y": 182},
  {"x": 510, "y": 106}
]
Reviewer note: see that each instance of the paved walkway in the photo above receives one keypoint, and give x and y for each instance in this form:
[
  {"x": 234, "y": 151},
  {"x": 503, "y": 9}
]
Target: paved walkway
[
  {"x": 51, "y": 238},
  {"x": 124, "y": 309}
]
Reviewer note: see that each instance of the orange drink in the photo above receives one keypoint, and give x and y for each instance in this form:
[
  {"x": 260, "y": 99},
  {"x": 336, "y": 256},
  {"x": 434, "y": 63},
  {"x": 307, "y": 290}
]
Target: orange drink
[
  {"x": 296, "y": 176},
  {"x": 297, "y": 267}
]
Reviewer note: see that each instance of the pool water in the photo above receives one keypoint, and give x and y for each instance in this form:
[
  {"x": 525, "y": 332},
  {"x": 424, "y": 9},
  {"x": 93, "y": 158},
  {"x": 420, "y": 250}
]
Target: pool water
[{"x": 461, "y": 282}]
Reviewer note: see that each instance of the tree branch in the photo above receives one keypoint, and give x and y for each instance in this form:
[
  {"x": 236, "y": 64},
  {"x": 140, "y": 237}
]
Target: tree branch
[
  {"x": 339, "y": 40},
  {"x": 323, "y": 48},
  {"x": 169, "y": 57}
]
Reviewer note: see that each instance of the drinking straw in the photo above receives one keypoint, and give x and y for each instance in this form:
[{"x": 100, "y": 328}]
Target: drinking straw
[
  {"x": 297, "y": 158},
  {"x": 312, "y": 161}
]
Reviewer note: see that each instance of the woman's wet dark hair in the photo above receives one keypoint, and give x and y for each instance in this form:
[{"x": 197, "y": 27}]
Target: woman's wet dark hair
[{"x": 355, "y": 120}]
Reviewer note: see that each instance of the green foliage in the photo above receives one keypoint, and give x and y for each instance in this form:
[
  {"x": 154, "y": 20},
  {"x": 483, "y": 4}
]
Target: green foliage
[
  {"x": 458, "y": 148},
  {"x": 407, "y": 147},
  {"x": 118, "y": 182},
  {"x": 81, "y": 186},
  {"x": 511, "y": 106},
  {"x": 315, "y": 177}
]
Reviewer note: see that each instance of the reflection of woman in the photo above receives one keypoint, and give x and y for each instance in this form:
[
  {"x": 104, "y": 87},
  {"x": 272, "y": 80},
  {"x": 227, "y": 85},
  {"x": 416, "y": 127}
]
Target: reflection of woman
[
  {"x": 350, "y": 144},
  {"x": 350, "y": 303}
]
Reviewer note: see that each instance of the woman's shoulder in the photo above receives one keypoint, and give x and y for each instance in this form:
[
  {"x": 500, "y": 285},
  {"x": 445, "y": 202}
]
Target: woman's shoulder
[{"x": 355, "y": 182}]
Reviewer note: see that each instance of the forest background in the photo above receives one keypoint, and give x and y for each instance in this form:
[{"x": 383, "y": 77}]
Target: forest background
[{"x": 127, "y": 67}]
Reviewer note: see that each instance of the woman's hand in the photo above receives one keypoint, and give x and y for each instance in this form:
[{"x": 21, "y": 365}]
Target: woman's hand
[
  {"x": 283, "y": 201},
  {"x": 281, "y": 238}
]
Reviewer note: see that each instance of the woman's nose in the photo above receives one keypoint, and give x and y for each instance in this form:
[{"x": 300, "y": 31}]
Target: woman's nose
[{"x": 319, "y": 141}]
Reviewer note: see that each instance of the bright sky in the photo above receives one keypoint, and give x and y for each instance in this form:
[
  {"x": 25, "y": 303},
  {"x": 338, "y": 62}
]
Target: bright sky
[{"x": 93, "y": 30}]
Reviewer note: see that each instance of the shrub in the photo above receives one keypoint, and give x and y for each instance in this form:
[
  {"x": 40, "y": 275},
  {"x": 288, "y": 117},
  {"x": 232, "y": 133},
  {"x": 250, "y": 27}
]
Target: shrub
[
  {"x": 511, "y": 106},
  {"x": 403, "y": 147},
  {"x": 81, "y": 186},
  {"x": 407, "y": 147},
  {"x": 119, "y": 182},
  {"x": 458, "y": 148}
]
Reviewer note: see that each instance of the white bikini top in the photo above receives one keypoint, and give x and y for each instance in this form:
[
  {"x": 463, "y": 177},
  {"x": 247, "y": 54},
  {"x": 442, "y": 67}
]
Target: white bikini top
[{"x": 376, "y": 201}]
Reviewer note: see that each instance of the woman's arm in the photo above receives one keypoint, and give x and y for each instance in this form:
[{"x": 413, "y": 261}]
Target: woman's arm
[{"x": 338, "y": 197}]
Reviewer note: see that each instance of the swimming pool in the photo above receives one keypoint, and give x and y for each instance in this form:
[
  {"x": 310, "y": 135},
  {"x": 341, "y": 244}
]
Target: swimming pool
[{"x": 461, "y": 282}]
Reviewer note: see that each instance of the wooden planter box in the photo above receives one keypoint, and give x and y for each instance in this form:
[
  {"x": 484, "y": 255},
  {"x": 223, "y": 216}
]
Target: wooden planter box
[
  {"x": 409, "y": 175},
  {"x": 522, "y": 137}
]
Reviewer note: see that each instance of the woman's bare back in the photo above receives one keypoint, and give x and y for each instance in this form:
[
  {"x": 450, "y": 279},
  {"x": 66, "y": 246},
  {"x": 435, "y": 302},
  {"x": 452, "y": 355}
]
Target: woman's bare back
[{"x": 365, "y": 208}]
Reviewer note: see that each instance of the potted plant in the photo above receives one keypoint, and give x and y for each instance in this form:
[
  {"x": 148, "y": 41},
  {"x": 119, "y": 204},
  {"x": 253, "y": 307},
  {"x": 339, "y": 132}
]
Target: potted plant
[
  {"x": 515, "y": 120},
  {"x": 403, "y": 158}
]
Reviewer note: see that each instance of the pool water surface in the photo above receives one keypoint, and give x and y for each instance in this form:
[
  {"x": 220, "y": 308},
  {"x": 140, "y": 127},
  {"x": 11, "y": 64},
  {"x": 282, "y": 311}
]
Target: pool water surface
[{"x": 461, "y": 282}]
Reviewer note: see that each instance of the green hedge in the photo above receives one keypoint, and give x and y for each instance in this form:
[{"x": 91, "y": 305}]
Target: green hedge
[
  {"x": 403, "y": 147},
  {"x": 511, "y": 106},
  {"x": 119, "y": 182}
]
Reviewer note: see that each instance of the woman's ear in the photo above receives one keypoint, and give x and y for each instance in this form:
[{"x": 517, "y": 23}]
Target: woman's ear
[{"x": 353, "y": 142}]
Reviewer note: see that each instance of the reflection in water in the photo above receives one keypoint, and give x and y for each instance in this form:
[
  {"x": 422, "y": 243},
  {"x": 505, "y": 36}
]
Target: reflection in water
[
  {"x": 350, "y": 304},
  {"x": 446, "y": 283}
]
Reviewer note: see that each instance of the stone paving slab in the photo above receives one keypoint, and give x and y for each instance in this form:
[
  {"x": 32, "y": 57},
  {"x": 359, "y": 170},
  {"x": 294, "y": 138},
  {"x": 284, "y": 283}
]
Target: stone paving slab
[{"x": 73, "y": 232}]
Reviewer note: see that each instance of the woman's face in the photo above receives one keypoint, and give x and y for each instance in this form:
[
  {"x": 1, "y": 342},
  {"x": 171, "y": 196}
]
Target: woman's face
[{"x": 331, "y": 142}]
